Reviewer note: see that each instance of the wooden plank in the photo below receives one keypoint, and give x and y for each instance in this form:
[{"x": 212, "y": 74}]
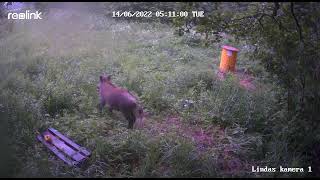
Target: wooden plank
[
  {"x": 56, "y": 151},
  {"x": 68, "y": 141},
  {"x": 71, "y": 143},
  {"x": 61, "y": 145}
]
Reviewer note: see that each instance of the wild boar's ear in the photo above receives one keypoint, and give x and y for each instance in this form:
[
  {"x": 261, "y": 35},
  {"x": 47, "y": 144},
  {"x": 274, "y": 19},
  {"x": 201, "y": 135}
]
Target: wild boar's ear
[
  {"x": 101, "y": 78},
  {"x": 109, "y": 78}
]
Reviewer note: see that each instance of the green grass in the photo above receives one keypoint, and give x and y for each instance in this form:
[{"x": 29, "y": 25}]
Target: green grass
[{"x": 49, "y": 71}]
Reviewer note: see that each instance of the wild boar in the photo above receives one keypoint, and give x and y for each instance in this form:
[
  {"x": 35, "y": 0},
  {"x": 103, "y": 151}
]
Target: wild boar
[{"x": 121, "y": 100}]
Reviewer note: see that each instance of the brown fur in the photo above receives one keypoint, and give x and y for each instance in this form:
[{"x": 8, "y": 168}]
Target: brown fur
[{"x": 121, "y": 100}]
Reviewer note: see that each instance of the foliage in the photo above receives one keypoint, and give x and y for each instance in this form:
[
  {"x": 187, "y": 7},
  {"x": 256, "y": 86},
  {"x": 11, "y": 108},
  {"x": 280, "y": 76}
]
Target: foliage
[{"x": 285, "y": 40}]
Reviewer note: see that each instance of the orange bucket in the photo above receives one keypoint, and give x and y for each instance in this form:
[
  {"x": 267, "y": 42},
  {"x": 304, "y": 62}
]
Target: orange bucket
[{"x": 228, "y": 58}]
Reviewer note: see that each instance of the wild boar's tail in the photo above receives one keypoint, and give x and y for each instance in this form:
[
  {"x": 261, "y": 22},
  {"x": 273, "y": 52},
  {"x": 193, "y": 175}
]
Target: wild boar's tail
[{"x": 138, "y": 113}]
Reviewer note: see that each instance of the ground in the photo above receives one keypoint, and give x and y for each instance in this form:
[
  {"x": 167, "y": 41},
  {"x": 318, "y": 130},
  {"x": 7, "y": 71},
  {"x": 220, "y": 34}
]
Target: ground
[{"x": 50, "y": 69}]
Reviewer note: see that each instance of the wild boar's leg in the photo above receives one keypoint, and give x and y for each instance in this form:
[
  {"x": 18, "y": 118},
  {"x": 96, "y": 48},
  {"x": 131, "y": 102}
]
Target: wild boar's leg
[
  {"x": 101, "y": 105},
  {"x": 131, "y": 119},
  {"x": 110, "y": 109}
]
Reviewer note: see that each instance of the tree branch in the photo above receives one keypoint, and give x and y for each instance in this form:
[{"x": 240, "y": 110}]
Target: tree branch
[
  {"x": 259, "y": 20},
  {"x": 276, "y": 8},
  {"x": 297, "y": 22}
]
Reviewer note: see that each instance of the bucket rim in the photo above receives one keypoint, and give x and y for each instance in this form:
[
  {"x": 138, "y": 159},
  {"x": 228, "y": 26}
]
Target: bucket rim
[{"x": 230, "y": 48}]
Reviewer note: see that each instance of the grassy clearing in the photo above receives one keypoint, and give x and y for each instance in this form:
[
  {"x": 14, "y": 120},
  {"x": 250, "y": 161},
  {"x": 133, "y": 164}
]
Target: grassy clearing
[{"x": 49, "y": 71}]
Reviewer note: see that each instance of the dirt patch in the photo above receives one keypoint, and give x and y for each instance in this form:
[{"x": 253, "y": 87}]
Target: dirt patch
[
  {"x": 202, "y": 138},
  {"x": 245, "y": 79},
  {"x": 210, "y": 140}
]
